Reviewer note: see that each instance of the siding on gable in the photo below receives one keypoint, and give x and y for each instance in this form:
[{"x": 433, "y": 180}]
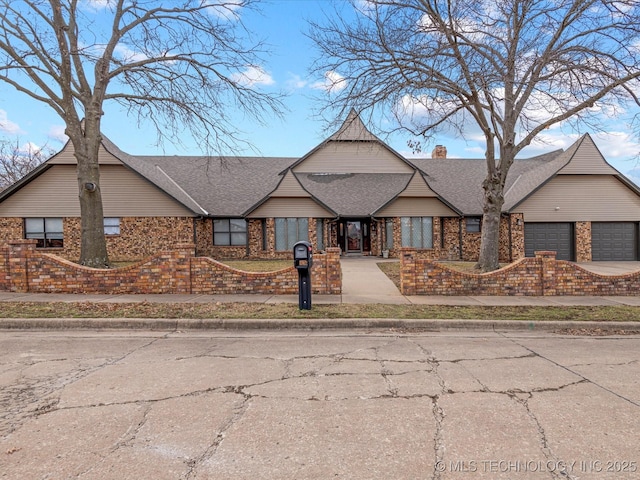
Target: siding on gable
[
  {"x": 290, "y": 187},
  {"x": 587, "y": 160},
  {"x": 124, "y": 194},
  {"x": 290, "y": 207},
  {"x": 353, "y": 157},
  {"x": 597, "y": 198},
  {"x": 418, "y": 188},
  {"x": 416, "y": 207},
  {"x": 66, "y": 157}
]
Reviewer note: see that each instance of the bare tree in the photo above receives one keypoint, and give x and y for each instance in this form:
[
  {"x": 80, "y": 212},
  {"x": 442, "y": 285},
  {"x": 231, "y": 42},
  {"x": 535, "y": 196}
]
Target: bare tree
[
  {"x": 17, "y": 161},
  {"x": 178, "y": 65},
  {"x": 513, "y": 68}
]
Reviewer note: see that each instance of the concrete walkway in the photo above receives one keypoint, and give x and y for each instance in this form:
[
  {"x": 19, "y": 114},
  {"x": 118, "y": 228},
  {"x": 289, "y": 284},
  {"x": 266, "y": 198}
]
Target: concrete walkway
[{"x": 364, "y": 282}]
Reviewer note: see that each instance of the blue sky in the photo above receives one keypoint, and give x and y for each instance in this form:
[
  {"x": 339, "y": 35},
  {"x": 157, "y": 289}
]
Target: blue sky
[{"x": 281, "y": 24}]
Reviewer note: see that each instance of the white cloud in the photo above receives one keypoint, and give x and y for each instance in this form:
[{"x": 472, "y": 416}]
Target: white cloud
[
  {"x": 98, "y": 4},
  {"x": 56, "y": 133},
  {"x": 226, "y": 9},
  {"x": 333, "y": 82},
  {"x": 128, "y": 55},
  {"x": 296, "y": 82},
  {"x": 7, "y": 126},
  {"x": 253, "y": 76}
]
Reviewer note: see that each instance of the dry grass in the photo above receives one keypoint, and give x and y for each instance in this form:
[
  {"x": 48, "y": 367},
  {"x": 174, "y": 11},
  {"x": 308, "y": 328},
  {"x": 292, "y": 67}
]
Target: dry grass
[
  {"x": 258, "y": 265},
  {"x": 260, "y": 310}
]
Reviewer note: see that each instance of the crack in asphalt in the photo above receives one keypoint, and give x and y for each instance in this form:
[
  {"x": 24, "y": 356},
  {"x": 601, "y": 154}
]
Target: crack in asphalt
[
  {"x": 210, "y": 451},
  {"x": 568, "y": 369}
]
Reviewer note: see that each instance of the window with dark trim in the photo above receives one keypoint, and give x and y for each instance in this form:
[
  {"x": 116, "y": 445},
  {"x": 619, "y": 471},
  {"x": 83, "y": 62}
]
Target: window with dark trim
[
  {"x": 417, "y": 232},
  {"x": 473, "y": 224},
  {"x": 48, "y": 231},
  {"x": 388, "y": 225},
  {"x": 289, "y": 231},
  {"x": 230, "y": 231},
  {"x": 320, "y": 233}
]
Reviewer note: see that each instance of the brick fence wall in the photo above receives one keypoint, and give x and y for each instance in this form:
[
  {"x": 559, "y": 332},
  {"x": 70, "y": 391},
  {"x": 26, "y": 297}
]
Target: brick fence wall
[
  {"x": 24, "y": 269},
  {"x": 542, "y": 275}
]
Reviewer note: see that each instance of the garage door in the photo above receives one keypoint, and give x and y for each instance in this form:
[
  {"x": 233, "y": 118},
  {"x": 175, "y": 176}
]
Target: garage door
[
  {"x": 549, "y": 236},
  {"x": 614, "y": 241}
]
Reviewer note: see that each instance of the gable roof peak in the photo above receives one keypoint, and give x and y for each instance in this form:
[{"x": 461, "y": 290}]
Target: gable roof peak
[{"x": 353, "y": 130}]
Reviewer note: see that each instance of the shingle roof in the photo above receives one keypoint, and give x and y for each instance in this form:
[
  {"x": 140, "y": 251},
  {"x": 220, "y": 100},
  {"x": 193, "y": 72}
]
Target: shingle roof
[
  {"x": 221, "y": 186},
  {"x": 354, "y": 194},
  {"x": 459, "y": 181}
]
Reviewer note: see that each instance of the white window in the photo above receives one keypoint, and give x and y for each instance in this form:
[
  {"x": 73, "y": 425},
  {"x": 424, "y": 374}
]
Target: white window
[{"x": 111, "y": 226}]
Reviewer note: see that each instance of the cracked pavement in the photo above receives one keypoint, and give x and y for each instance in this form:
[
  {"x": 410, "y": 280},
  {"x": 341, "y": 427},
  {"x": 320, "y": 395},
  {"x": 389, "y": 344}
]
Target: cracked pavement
[{"x": 318, "y": 405}]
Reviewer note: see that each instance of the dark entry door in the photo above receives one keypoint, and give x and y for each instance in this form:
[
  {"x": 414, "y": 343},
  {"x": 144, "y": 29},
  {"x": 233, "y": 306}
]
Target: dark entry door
[{"x": 354, "y": 237}]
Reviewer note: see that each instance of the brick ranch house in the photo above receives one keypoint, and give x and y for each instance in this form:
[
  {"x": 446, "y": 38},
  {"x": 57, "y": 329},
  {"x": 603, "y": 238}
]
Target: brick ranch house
[{"x": 352, "y": 191}]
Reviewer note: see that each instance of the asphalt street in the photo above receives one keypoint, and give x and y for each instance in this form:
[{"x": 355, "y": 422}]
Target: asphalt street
[{"x": 368, "y": 404}]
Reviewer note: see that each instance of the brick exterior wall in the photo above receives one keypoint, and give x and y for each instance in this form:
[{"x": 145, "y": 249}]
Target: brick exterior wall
[
  {"x": 583, "y": 241},
  {"x": 542, "y": 275},
  {"x": 139, "y": 236},
  {"x": 23, "y": 268}
]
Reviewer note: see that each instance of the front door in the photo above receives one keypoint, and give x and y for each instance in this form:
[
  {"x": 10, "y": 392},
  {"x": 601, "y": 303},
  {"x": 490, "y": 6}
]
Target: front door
[{"x": 354, "y": 237}]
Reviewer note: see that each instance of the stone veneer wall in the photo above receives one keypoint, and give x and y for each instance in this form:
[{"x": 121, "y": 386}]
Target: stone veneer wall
[
  {"x": 139, "y": 236},
  {"x": 511, "y": 240},
  {"x": 542, "y": 275},
  {"x": 583, "y": 242},
  {"x": 23, "y": 268}
]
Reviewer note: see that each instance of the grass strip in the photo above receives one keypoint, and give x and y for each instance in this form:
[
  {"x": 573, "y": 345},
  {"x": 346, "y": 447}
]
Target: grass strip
[{"x": 266, "y": 311}]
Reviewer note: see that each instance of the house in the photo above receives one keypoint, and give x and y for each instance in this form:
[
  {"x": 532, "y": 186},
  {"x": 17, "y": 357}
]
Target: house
[{"x": 352, "y": 191}]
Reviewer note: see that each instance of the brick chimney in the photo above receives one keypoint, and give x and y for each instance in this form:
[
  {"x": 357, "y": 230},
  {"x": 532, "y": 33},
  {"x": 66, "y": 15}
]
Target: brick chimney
[{"x": 439, "y": 152}]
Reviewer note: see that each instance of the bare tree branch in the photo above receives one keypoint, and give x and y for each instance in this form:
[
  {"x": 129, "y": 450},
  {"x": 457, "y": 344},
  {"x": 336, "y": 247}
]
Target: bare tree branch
[
  {"x": 178, "y": 67},
  {"x": 515, "y": 67}
]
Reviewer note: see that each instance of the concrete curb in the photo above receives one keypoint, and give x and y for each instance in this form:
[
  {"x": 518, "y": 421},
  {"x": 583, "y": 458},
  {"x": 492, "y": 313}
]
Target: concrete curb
[{"x": 167, "y": 324}]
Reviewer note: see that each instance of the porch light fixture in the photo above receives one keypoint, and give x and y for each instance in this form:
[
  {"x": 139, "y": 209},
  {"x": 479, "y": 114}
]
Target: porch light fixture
[{"x": 518, "y": 222}]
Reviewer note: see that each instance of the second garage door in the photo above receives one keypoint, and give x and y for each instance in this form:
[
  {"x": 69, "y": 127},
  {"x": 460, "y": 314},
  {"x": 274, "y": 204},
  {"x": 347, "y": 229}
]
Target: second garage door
[
  {"x": 614, "y": 241},
  {"x": 549, "y": 236}
]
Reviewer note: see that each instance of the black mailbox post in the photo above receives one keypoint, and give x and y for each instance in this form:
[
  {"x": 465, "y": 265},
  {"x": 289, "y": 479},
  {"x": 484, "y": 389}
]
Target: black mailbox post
[{"x": 303, "y": 259}]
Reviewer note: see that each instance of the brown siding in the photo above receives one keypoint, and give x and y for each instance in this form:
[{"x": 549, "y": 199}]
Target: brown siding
[
  {"x": 416, "y": 207},
  {"x": 124, "y": 193},
  {"x": 353, "y": 157},
  {"x": 582, "y": 198},
  {"x": 587, "y": 160},
  {"x": 290, "y": 187},
  {"x": 418, "y": 188},
  {"x": 290, "y": 207},
  {"x": 66, "y": 156}
]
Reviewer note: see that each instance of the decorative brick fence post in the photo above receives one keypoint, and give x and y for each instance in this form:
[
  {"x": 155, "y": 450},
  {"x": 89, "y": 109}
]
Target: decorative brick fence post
[
  {"x": 549, "y": 280},
  {"x": 334, "y": 271},
  {"x": 408, "y": 278},
  {"x": 17, "y": 267},
  {"x": 182, "y": 255}
]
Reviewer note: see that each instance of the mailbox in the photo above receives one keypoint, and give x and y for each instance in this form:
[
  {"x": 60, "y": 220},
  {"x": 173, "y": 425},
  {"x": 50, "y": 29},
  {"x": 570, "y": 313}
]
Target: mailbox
[
  {"x": 303, "y": 260},
  {"x": 302, "y": 255}
]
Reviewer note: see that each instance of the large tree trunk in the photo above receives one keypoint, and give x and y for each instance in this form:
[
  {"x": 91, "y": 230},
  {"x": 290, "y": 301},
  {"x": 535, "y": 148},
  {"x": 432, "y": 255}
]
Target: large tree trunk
[
  {"x": 93, "y": 248},
  {"x": 492, "y": 211}
]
